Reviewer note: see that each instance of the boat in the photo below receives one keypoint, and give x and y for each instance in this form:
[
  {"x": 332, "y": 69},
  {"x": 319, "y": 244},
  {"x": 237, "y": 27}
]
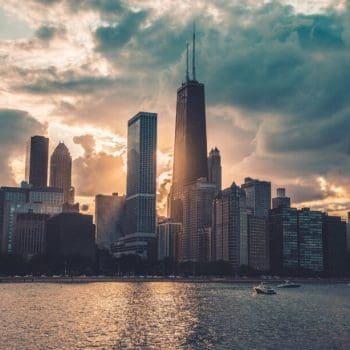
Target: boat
[
  {"x": 288, "y": 284},
  {"x": 264, "y": 288}
]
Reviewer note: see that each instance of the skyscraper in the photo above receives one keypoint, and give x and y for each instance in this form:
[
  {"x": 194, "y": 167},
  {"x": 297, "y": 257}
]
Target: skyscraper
[
  {"x": 167, "y": 238},
  {"x": 190, "y": 151},
  {"x": 281, "y": 200},
  {"x": 37, "y": 161},
  {"x": 140, "y": 204},
  {"x": 214, "y": 168},
  {"x": 61, "y": 172},
  {"x": 258, "y": 196}
]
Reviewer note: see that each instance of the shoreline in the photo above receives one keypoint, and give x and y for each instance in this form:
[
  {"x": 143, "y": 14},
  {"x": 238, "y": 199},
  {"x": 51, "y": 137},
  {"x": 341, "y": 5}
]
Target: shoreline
[{"x": 96, "y": 279}]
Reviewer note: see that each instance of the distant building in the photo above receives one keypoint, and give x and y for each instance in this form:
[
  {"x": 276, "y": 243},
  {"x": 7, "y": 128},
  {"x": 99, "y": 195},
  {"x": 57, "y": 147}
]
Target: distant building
[
  {"x": 167, "y": 239},
  {"x": 197, "y": 215},
  {"x": 230, "y": 226},
  {"x": 61, "y": 172},
  {"x": 281, "y": 200},
  {"x": 37, "y": 161},
  {"x": 71, "y": 234},
  {"x": 258, "y": 243},
  {"x": 108, "y": 210},
  {"x": 30, "y": 237},
  {"x": 258, "y": 195},
  {"x": 214, "y": 168},
  {"x": 334, "y": 245},
  {"x": 140, "y": 204}
]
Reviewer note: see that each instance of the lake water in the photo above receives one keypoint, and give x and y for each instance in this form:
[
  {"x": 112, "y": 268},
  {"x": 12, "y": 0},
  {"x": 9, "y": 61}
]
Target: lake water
[{"x": 158, "y": 315}]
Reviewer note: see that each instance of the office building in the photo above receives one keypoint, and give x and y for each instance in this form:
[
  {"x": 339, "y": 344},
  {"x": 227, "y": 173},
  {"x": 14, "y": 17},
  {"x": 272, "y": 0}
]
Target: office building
[
  {"x": 167, "y": 239},
  {"x": 190, "y": 151},
  {"x": 281, "y": 200},
  {"x": 195, "y": 237},
  {"x": 334, "y": 245},
  {"x": 37, "y": 161},
  {"x": 61, "y": 172},
  {"x": 140, "y": 204},
  {"x": 258, "y": 195},
  {"x": 258, "y": 243},
  {"x": 71, "y": 234},
  {"x": 108, "y": 212},
  {"x": 230, "y": 226},
  {"x": 214, "y": 168},
  {"x": 30, "y": 237}
]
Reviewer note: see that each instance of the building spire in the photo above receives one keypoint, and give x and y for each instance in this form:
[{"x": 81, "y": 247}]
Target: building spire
[
  {"x": 187, "y": 74},
  {"x": 194, "y": 52}
]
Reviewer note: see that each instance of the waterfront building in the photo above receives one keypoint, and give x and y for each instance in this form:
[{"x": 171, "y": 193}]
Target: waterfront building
[
  {"x": 167, "y": 239},
  {"x": 258, "y": 195},
  {"x": 139, "y": 226},
  {"x": 197, "y": 220},
  {"x": 281, "y": 200},
  {"x": 258, "y": 243},
  {"x": 190, "y": 151},
  {"x": 71, "y": 234},
  {"x": 214, "y": 168},
  {"x": 230, "y": 226},
  {"x": 37, "y": 161},
  {"x": 61, "y": 172},
  {"x": 108, "y": 212}
]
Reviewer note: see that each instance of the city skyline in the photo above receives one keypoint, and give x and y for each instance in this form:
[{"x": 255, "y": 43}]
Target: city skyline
[{"x": 85, "y": 97}]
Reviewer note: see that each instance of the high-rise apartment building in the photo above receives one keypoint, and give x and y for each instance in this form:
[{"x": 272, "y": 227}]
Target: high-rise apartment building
[
  {"x": 190, "y": 151},
  {"x": 258, "y": 196},
  {"x": 37, "y": 161},
  {"x": 108, "y": 212},
  {"x": 214, "y": 168},
  {"x": 230, "y": 226},
  {"x": 167, "y": 239},
  {"x": 140, "y": 204},
  {"x": 281, "y": 200},
  {"x": 61, "y": 172}
]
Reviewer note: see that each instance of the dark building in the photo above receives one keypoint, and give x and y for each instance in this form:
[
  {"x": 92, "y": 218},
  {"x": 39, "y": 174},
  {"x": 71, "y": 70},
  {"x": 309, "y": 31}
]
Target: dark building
[
  {"x": 214, "y": 168},
  {"x": 37, "y": 161},
  {"x": 334, "y": 245},
  {"x": 258, "y": 243},
  {"x": 167, "y": 239},
  {"x": 281, "y": 200},
  {"x": 61, "y": 172},
  {"x": 30, "y": 237},
  {"x": 139, "y": 226},
  {"x": 71, "y": 234},
  {"x": 258, "y": 196},
  {"x": 190, "y": 151}
]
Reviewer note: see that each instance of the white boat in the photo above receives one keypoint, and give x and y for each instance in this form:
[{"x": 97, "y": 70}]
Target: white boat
[
  {"x": 288, "y": 284},
  {"x": 264, "y": 288}
]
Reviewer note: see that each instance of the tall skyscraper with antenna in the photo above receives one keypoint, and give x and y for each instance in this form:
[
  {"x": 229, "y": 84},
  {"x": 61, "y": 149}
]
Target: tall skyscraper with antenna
[{"x": 190, "y": 152}]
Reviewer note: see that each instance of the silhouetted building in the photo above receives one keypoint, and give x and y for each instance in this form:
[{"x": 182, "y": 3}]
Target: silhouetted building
[
  {"x": 71, "y": 208},
  {"x": 61, "y": 172},
  {"x": 140, "y": 204},
  {"x": 281, "y": 200},
  {"x": 258, "y": 196},
  {"x": 167, "y": 239},
  {"x": 71, "y": 234},
  {"x": 37, "y": 161},
  {"x": 258, "y": 243},
  {"x": 190, "y": 151},
  {"x": 108, "y": 210},
  {"x": 230, "y": 226},
  {"x": 334, "y": 245},
  {"x": 195, "y": 236},
  {"x": 214, "y": 168},
  {"x": 30, "y": 237}
]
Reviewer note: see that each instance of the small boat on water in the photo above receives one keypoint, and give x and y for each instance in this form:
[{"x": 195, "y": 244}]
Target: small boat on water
[
  {"x": 288, "y": 284},
  {"x": 264, "y": 288}
]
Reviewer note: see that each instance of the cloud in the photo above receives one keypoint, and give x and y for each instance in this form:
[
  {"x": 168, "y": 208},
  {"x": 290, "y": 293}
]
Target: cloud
[
  {"x": 16, "y": 126},
  {"x": 47, "y": 32}
]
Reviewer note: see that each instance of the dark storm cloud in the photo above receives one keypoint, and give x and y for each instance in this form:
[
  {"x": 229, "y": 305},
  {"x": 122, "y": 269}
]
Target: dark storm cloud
[{"x": 16, "y": 127}]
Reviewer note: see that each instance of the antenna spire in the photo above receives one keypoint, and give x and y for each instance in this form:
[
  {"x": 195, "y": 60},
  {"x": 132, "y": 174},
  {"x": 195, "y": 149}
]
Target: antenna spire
[
  {"x": 194, "y": 52},
  {"x": 187, "y": 74}
]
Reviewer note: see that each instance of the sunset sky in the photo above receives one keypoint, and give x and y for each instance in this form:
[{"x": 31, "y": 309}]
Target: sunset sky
[{"x": 277, "y": 77}]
